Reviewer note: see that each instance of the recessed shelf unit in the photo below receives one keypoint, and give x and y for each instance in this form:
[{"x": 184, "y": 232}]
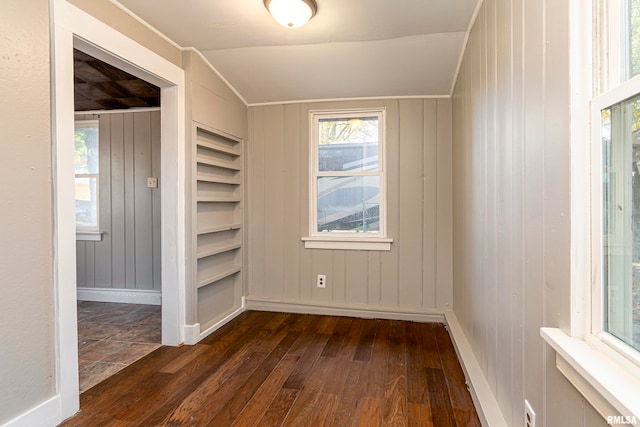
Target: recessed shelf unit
[{"x": 217, "y": 190}]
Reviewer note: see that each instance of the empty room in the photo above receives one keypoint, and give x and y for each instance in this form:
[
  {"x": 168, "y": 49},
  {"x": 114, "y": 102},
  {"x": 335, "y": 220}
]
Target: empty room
[{"x": 320, "y": 212}]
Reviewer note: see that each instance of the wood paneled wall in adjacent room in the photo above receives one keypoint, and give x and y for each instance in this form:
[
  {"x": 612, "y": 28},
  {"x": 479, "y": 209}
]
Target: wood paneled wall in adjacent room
[
  {"x": 128, "y": 257},
  {"x": 415, "y": 276}
]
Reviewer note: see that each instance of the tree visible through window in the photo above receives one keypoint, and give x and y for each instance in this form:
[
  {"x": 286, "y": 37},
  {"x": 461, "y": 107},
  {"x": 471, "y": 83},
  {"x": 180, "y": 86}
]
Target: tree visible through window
[
  {"x": 348, "y": 173},
  {"x": 620, "y": 162},
  {"x": 86, "y": 171}
]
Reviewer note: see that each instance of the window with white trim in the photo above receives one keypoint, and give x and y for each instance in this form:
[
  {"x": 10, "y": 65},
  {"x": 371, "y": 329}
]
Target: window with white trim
[
  {"x": 347, "y": 188},
  {"x": 615, "y": 113},
  {"x": 86, "y": 163}
]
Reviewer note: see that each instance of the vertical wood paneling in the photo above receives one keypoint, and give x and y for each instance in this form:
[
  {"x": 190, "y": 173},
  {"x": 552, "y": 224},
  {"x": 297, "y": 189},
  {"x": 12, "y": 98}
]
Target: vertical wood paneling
[
  {"x": 511, "y": 165},
  {"x": 90, "y": 269},
  {"x": 155, "y": 204},
  {"x": 142, "y": 210},
  {"x": 432, "y": 183},
  {"x": 292, "y": 194},
  {"x": 81, "y": 279},
  {"x": 118, "y": 252},
  {"x": 307, "y": 280},
  {"x": 256, "y": 202},
  {"x": 274, "y": 200},
  {"x": 389, "y": 296},
  {"x": 534, "y": 196},
  {"x": 358, "y": 279},
  {"x": 278, "y": 201},
  {"x": 517, "y": 296},
  {"x": 504, "y": 218},
  {"x": 444, "y": 205},
  {"x": 322, "y": 263},
  {"x": 103, "y": 261},
  {"x": 129, "y": 203},
  {"x": 413, "y": 142},
  {"x": 490, "y": 252},
  {"x": 128, "y": 257},
  {"x": 374, "y": 282},
  {"x": 339, "y": 285}
]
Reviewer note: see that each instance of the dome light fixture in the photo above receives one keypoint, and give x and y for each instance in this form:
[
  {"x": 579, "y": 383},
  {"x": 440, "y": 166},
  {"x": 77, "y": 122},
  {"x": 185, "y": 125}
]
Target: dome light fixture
[{"x": 291, "y": 13}]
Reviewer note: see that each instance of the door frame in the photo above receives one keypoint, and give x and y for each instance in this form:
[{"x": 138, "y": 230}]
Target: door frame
[{"x": 71, "y": 27}]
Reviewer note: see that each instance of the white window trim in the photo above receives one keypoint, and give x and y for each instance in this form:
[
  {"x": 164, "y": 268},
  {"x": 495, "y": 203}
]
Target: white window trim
[
  {"x": 84, "y": 232},
  {"x": 348, "y": 241},
  {"x": 89, "y": 236},
  {"x": 602, "y": 368}
]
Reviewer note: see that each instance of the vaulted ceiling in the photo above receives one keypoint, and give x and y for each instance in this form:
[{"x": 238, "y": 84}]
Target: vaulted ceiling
[{"x": 351, "y": 48}]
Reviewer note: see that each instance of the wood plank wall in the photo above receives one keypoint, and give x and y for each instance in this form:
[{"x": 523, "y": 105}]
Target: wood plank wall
[
  {"x": 511, "y": 164},
  {"x": 128, "y": 257},
  {"x": 415, "y": 275}
]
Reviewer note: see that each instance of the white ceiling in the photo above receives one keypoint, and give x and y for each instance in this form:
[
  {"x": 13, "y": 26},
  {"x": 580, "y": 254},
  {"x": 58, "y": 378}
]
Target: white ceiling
[{"x": 350, "y": 49}]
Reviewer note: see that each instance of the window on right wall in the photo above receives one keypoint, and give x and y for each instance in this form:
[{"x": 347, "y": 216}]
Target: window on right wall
[{"x": 616, "y": 186}]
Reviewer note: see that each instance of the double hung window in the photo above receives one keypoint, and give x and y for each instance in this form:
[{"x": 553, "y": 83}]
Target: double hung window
[
  {"x": 616, "y": 192},
  {"x": 348, "y": 179},
  {"x": 87, "y": 177}
]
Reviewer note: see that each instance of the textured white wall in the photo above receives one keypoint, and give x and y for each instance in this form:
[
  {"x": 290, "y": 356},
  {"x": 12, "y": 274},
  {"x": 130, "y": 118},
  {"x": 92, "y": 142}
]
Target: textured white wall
[{"x": 26, "y": 240}]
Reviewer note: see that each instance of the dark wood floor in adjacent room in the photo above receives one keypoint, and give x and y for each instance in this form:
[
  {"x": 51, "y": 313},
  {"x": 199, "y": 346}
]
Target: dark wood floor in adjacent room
[{"x": 273, "y": 369}]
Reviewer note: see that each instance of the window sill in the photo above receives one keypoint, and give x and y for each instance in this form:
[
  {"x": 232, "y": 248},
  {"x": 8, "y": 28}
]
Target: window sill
[
  {"x": 609, "y": 382},
  {"x": 357, "y": 244},
  {"x": 89, "y": 236}
]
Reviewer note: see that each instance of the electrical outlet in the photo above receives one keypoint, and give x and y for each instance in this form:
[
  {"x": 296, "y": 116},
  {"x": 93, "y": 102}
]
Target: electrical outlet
[
  {"x": 529, "y": 415},
  {"x": 322, "y": 281},
  {"x": 152, "y": 182}
]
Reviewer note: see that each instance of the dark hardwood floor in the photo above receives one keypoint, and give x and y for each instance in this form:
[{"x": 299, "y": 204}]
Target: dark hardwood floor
[{"x": 276, "y": 369}]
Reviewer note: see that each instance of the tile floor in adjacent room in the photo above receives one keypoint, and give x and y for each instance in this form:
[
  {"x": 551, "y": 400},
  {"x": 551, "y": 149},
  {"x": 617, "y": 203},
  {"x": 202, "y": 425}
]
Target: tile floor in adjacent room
[{"x": 112, "y": 336}]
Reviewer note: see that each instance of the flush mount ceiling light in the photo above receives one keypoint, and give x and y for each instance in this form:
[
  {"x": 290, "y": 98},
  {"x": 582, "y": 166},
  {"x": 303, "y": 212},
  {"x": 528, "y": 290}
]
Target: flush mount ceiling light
[{"x": 291, "y": 13}]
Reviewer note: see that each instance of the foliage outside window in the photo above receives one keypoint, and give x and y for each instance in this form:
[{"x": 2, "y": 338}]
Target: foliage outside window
[
  {"x": 617, "y": 114},
  {"x": 347, "y": 196},
  {"x": 86, "y": 164}
]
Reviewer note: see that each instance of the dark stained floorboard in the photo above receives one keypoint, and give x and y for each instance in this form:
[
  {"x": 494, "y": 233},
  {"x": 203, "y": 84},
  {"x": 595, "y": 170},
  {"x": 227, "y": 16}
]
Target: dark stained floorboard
[{"x": 277, "y": 369}]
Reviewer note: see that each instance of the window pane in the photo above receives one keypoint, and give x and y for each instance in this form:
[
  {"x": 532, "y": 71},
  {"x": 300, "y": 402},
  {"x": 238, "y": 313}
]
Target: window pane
[
  {"x": 86, "y": 150},
  {"x": 634, "y": 37},
  {"x": 348, "y": 144},
  {"x": 349, "y": 204},
  {"x": 86, "y": 202},
  {"x": 621, "y": 220}
]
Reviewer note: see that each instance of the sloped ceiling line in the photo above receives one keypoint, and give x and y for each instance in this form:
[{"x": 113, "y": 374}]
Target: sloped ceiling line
[{"x": 349, "y": 50}]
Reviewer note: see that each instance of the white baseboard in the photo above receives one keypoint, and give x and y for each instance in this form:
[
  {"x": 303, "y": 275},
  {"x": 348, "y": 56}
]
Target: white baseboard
[
  {"x": 364, "y": 311},
  {"x": 129, "y": 296},
  {"x": 46, "y": 414},
  {"x": 486, "y": 404},
  {"x": 193, "y": 335}
]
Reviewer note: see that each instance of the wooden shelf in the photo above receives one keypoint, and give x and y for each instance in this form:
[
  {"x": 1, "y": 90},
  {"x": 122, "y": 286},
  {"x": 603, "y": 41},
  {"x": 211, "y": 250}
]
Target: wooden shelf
[
  {"x": 219, "y": 163},
  {"x": 218, "y": 277},
  {"x": 218, "y": 199},
  {"x": 218, "y": 148},
  {"x": 218, "y": 180},
  {"x": 219, "y": 228},
  {"x": 219, "y": 250}
]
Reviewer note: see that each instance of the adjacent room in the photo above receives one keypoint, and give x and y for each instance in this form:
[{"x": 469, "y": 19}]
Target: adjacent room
[{"x": 320, "y": 212}]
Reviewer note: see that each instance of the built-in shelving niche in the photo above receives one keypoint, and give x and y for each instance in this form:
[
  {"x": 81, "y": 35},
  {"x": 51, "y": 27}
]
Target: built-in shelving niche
[{"x": 218, "y": 219}]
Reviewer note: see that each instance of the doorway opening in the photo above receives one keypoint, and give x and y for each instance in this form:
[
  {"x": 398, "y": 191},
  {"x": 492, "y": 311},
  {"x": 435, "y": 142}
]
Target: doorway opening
[
  {"x": 74, "y": 28},
  {"x": 117, "y": 211}
]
